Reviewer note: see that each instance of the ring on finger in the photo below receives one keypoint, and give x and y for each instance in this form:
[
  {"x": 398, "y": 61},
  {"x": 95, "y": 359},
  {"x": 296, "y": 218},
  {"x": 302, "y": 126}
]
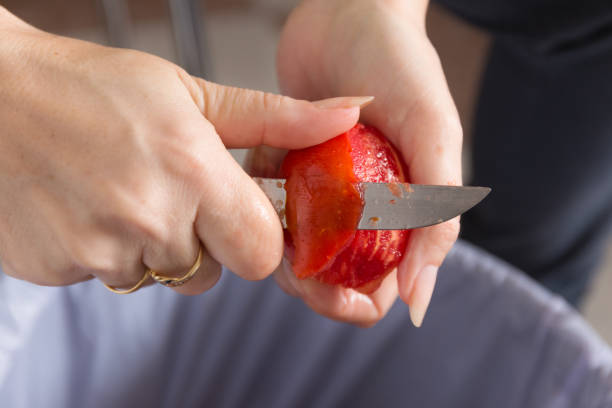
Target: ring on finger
[
  {"x": 129, "y": 290},
  {"x": 171, "y": 281}
]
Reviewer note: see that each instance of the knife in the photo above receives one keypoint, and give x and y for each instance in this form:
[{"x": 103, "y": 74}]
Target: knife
[{"x": 395, "y": 206}]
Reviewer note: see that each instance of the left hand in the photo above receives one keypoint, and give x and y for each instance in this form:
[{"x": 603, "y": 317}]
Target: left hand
[{"x": 380, "y": 48}]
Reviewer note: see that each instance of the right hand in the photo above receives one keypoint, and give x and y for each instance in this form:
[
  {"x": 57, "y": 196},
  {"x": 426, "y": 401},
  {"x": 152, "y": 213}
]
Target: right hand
[
  {"x": 379, "y": 48},
  {"x": 114, "y": 161}
]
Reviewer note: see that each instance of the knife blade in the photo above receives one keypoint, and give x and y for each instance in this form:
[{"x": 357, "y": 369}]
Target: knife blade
[{"x": 395, "y": 206}]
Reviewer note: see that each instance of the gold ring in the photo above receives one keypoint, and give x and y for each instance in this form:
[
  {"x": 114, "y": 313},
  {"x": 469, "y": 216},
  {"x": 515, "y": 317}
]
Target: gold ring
[
  {"x": 170, "y": 281},
  {"x": 130, "y": 290}
]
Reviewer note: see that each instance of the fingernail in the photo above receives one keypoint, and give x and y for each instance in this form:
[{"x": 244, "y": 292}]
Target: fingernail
[
  {"x": 344, "y": 102},
  {"x": 421, "y": 295}
]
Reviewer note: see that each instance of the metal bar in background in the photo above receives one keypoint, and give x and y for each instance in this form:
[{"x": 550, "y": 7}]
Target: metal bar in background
[
  {"x": 187, "y": 25},
  {"x": 118, "y": 24}
]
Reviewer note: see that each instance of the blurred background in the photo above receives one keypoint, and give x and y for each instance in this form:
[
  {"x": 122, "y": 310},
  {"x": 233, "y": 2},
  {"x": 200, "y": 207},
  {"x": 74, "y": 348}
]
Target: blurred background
[{"x": 233, "y": 42}]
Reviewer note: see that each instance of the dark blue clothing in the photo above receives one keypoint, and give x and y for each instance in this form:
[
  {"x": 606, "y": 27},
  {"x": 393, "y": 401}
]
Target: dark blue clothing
[{"x": 543, "y": 137}]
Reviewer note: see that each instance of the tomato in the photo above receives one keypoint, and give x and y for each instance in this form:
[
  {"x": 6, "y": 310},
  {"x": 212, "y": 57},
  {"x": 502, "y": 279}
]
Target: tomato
[{"x": 324, "y": 206}]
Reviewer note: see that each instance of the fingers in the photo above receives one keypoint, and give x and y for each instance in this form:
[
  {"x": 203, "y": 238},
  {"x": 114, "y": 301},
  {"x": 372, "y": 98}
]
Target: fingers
[
  {"x": 176, "y": 256},
  {"x": 246, "y": 118},
  {"x": 283, "y": 279},
  {"x": 341, "y": 304},
  {"x": 430, "y": 140},
  {"x": 434, "y": 151},
  {"x": 205, "y": 277},
  {"x": 172, "y": 259},
  {"x": 126, "y": 279},
  {"x": 227, "y": 212},
  {"x": 215, "y": 205},
  {"x": 6, "y": 269},
  {"x": 418, "y": 270},
  {"x": 235, "y": 220}
]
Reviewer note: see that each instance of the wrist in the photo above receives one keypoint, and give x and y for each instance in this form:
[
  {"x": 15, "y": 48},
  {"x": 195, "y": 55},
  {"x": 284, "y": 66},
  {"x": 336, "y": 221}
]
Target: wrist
[{"x": 414, "y": 10}]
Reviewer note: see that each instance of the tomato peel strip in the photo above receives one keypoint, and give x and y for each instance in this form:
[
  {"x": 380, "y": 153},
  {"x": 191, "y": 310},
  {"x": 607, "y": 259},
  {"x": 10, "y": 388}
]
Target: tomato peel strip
[{"x": 324, "y": 187}]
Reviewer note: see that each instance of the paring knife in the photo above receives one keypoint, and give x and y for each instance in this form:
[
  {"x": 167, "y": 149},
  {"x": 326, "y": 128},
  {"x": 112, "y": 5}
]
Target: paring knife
[{"x": 395, "y": 206}]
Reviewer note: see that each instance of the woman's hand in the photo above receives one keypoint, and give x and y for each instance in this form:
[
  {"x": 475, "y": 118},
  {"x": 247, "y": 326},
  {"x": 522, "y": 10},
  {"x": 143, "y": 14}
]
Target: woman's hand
[
  {"x": 114, "y": 161},
  {"x": 380, "y": 48}
]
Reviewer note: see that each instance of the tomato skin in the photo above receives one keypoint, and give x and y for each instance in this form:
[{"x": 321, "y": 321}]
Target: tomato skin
[{"x": 324, "y": 206}]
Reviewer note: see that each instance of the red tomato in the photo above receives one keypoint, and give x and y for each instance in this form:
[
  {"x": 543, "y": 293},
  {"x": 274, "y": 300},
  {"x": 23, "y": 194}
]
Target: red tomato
[{"x": 324, "y": 205}]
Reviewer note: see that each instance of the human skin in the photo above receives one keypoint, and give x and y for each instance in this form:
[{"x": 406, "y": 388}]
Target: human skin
[
  {"x": 114, "y": 161},
  {"x": 379, "y": 48}
]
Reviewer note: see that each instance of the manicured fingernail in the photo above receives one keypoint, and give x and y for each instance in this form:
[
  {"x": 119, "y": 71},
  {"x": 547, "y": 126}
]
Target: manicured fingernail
[
  {"x": 344, "y": 102},
  {"x": 421, "y": 295}
]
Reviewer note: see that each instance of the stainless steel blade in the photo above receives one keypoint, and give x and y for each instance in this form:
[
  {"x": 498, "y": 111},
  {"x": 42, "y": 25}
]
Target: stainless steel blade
[
  {"x": 395, "y": 206},
  {"x": 275, "y": 190},
  {"x": 406, "y": 206}
]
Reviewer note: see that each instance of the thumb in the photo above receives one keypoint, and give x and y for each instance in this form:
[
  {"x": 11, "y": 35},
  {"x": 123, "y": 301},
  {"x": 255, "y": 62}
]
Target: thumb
[{"x": 246, "y": 118}]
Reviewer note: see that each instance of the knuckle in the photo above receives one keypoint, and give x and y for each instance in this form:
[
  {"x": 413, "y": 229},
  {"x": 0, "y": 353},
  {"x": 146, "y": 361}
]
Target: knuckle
[
  {"x": 183, "y": 150},
  {"x": 82, "y": 255},
  {"x": 46, "y": 269},
  {"x": 442, "y": 121},
  {"x": 195, "y": 86},
  {"x": 97, "y": 255},
  {"x": 151, "y": 228},
  {"x": 187, "y": 131},
  {"x": 263, "y": 262},
  {"x": 447, "y": 129},
  {"x": 219, "y": 101},
  {"x": 138, "y": 211},
  {"x": 256, "y": 230},
  {"x": 264, "y": 257},
  {"x": 451, "y": 125},
  {"x": 271, "y": 102},
  {"x": 39, "y": 274}
]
